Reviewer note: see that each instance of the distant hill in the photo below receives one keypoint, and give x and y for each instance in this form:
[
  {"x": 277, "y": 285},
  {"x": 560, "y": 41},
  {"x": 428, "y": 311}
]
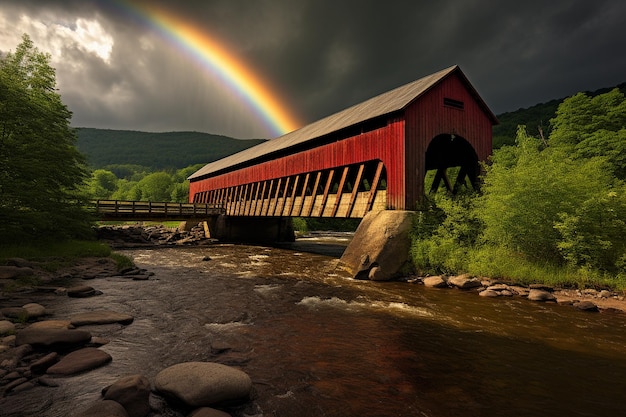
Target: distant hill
[
  {"x": 534, "y": 117},
  {"x": 158, "y": 151}
]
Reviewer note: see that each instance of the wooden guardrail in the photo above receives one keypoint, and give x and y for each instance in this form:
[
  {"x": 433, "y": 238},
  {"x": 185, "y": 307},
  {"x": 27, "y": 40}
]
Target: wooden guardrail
[{"x": 150, "y": 210}]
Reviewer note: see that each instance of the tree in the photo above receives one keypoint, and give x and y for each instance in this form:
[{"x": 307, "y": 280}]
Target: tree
[
  {"x": 593, "y": 126},
  {"x": 522, "y": 201},
  {"x": 41, "y": 170},
  {"x": 156, "y": 187},
  {"x": 102, "y": 184}
]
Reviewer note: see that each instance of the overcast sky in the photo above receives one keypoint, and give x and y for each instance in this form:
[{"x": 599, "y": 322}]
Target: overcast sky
[{"x": 319, "y": 56}]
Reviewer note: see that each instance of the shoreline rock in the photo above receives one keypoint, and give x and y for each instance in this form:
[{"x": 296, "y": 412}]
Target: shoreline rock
[{"x": 588, "y": 300}]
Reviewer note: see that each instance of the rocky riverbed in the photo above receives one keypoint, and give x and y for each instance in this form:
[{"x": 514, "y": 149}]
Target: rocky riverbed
[{"x": 38, "y": 348}]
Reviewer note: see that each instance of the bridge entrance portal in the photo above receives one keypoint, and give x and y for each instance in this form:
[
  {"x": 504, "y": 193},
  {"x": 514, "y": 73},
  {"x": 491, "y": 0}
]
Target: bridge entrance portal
[{"x": 450, "y": 155}]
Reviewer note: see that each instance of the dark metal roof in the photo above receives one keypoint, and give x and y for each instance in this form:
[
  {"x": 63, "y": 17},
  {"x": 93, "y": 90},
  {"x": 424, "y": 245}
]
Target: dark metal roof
[{"x": 380, "y": 105}]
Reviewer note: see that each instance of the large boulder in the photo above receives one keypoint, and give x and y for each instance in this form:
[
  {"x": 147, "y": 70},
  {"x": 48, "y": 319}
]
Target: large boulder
[
  {"x": 379, "y": 250},
  {"x": 201, "y": 384}
]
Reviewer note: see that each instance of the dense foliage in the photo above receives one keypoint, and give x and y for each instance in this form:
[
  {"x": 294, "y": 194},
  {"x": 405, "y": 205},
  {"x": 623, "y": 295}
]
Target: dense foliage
[
  {"x": 41, "y": 170},
  {"x": 558, "y": 201}
]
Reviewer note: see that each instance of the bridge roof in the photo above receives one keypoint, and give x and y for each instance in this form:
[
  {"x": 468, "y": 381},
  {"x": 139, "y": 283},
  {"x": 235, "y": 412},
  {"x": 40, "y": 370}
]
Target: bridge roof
[{"x": 383, "y": 104}]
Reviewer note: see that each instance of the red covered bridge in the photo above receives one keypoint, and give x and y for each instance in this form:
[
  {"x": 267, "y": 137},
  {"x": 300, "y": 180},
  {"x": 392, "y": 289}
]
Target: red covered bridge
[{"x": 372, "y": 156}]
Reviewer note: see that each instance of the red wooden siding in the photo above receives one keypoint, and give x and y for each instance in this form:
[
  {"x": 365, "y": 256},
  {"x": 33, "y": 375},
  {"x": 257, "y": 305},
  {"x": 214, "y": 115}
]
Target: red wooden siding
[
  {"x": 385, "y": 144},
  {"x": 428, "y": 117}
]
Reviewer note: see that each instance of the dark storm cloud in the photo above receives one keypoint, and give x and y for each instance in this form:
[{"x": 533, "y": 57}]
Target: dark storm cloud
[{"x": 322, "y": 56}]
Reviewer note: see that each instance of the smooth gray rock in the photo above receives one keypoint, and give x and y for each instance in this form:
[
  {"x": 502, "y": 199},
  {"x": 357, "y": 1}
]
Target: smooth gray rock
[
  {"x": 42, "y": 364},
  {"x": 81, "y": 291},
  {"x": 13, "y": 272},
  {"x": 540, "y": 295},
  {"x": 208, "y": 412},
  {"x": 6, "y": 327},
  {"x": 200, "y": 384},
  {"x": 586, "y": 306},
  {"x": 133, "y": 392},
  {"x": 464, "y": 282},
  {"x": 100, "y": 317},
  {"x": 52, "y": 338},
  {"x": 34, "y": 310},
  {"x": 79, "y": 361},
  {"x": 435, "y": 282},
  {"x": 489, "y": 293},
  {"x": 106, "y": 408}
]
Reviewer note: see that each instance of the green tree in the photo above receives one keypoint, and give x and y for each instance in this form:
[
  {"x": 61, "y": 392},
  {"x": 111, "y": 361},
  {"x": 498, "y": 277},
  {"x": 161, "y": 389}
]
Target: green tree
[
  {"x": 102, "y": 184},
  {"x": 588, "y": 127},
  {"x": 522, "y": 201},
  {"x": 155, "y": 187},
  {"x": 41, "y": 170}
]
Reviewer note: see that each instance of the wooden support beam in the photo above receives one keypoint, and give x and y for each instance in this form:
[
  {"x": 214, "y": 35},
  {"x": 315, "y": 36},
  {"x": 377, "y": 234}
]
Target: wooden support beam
[
  {"x": 460, "y": 180},
  {"x": 229, "y": 200},
  {"x": 276, "y": 194},
  {"x": 314, "y": 193},
  {"x": 355, "y": 190},
  {"x": 269, "y": 199},
  {"x": 237, "y": 197},
  {"x": 254, "y": 198},
  {"x": 304, "y": 185},
  {"x": 441, "y": 175},
  {"x": 246, "y": 195},
  {"x": 284, "y": 194},
  {"x": 293, "y": 195},
  {"x": 342, "y": 182},
  {"x": 374, "y": 186},
  {"x": 329, "y": 182},
  {"x": 261, "y": 198}
]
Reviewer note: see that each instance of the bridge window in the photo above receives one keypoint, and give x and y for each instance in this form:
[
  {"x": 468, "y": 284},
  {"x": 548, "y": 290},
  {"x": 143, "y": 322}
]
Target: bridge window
[{"x": 450, "y": 102}]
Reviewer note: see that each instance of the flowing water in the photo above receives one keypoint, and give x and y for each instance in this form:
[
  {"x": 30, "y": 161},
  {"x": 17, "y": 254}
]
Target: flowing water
[{"x": 317, "y": 343}]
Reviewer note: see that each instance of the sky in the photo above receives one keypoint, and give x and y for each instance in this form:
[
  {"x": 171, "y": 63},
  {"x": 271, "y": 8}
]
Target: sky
[{"x": 129, "y": 65}]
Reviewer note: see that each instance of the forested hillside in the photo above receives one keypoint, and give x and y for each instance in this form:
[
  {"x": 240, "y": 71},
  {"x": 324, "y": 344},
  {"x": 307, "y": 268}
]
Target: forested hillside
[
  {"x": 534, "y": 118},
  {"x": 156, "y": 151}
]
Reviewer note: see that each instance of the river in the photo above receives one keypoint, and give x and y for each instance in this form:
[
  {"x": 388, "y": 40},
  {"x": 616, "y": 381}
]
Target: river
[{"x": 317, "y": 343}]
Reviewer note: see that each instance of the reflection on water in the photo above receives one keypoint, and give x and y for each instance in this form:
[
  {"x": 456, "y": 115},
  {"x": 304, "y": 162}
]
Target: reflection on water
[{"x": 317, "y": 343}]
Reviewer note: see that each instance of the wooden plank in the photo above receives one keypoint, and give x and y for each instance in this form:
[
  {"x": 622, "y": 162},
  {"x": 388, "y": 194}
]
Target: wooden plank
[
  {"x": 329, "y": 182},
  {"x": 342, "y": 182},
  {"x": 374, "y": 186},
  {"x": 355, "y": 190}
]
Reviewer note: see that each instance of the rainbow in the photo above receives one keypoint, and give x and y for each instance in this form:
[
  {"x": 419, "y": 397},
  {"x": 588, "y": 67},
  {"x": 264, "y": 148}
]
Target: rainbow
[{"x": 214, "y": 57}]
